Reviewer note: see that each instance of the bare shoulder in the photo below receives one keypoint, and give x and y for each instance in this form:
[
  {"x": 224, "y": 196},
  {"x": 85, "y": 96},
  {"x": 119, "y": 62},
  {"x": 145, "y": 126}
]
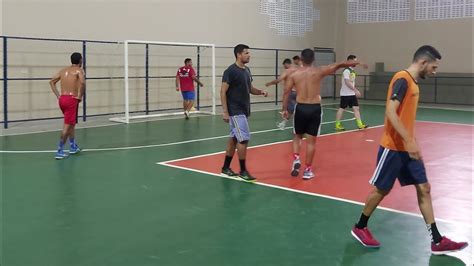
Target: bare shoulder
[{"x": 77, "y": 71}]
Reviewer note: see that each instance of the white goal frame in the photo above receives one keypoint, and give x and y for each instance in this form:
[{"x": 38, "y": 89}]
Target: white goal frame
[{"x": 126, "y": 119}]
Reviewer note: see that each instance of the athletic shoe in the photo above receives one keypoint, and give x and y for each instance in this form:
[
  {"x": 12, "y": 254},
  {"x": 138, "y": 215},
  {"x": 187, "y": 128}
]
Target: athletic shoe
[
  {"x": 245, "y": 175},
  {"x": 60, "y": 155},
  {"x": 295, "y": 169},
  {"x": 446, "y": 246},
  {"x": 308, "y": 174},
  {"x": 362, "y": 126},
  {"x": 281, "y": 125},
  {"x": 74, "y": 149},
  {"x": 339, "y": 127},
  {"x": 364, "y": 236},
  {"x": 228, "y": 172},
  {"x": 186, "y": 114}
]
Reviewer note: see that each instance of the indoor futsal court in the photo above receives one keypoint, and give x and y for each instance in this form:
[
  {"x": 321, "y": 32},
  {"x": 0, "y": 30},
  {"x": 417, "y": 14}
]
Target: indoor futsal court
[{"x": 114, "y": 132}]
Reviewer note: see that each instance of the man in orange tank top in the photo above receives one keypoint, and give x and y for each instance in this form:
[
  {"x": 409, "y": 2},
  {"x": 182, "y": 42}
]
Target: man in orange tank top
[{"x": 399, "y": 154}]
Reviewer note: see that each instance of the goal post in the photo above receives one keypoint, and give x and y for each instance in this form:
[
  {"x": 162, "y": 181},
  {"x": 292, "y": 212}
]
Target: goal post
[{"x": 173, "y": 110}]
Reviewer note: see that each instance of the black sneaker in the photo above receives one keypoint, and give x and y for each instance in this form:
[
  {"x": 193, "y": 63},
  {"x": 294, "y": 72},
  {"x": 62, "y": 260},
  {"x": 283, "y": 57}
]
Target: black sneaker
[
  {"x": 245, "y": 175},
  {"x": 228, "y": 172}
]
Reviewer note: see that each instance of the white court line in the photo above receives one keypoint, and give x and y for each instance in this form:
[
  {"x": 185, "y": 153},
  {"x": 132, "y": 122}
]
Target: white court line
[
  {"x": 171, "y": 118},
  {"x": 268, "y": 144},
  {"x": 157, "y": 145},
  {"x": 167, "y": 163},
  {"x": 311, "y": 193},
  {"x": 133, "y": 122},
  {"x": 445, "y": 123}
]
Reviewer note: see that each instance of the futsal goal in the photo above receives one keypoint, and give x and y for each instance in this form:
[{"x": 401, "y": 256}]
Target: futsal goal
[{"x": 150, "y": 69}]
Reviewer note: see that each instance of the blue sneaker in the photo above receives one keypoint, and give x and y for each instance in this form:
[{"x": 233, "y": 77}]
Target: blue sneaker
[
  {"x": 60, "y": 155},
  {"x": 74, "y": 149}
]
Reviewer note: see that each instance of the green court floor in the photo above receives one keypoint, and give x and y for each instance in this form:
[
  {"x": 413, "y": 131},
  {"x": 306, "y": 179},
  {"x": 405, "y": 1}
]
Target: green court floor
[{"x": 113, "y": 205}]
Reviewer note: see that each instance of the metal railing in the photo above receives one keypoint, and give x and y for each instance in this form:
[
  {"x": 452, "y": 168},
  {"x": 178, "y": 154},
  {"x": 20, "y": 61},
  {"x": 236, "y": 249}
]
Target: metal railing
[{"x": 85, "y": 43}]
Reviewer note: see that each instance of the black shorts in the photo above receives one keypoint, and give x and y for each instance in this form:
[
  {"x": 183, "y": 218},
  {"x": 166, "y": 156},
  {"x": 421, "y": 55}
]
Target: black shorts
[
  {"x": 307, "y": 119},
  {"x": 348, "y": 101}
]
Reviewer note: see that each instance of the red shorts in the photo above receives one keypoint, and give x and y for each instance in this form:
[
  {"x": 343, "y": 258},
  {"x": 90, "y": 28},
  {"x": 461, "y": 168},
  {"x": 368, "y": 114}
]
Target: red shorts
[{"x": 69, "y": 105}]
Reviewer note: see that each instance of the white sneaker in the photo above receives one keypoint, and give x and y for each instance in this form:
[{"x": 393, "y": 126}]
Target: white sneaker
[
  {"x": 295, "y": 169},
  {"x": 281, "y": 125},
  {"x": 308, "y": 174},
  {"x": 186, "y": 114}
]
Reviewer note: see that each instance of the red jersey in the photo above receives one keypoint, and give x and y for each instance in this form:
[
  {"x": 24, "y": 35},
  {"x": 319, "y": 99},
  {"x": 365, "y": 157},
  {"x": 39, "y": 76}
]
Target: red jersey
[{"x": 186, "y": 75}]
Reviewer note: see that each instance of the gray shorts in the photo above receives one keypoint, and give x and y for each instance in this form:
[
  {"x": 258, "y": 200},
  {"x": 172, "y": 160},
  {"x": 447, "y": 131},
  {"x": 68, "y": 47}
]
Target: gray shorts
[
  {"x": 291, "y": 102},
  {"x": 239, "y": 128}
]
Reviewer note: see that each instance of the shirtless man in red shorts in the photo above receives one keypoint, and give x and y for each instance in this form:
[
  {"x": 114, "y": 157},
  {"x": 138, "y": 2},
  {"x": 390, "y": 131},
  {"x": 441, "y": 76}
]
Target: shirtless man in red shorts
[{"x": 72, "y": 89}]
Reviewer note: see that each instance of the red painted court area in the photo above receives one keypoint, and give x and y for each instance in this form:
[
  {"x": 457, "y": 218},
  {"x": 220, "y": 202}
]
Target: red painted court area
[{"x": 345, "y": 162}]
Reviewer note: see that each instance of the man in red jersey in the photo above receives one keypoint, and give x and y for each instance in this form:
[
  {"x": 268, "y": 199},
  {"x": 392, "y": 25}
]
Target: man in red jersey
[{"x": 185, "y": 78}]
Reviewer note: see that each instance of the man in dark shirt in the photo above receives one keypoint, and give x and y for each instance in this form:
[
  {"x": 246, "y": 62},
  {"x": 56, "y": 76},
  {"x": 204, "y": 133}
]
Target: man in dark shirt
[{"x": 235, "y": 98}]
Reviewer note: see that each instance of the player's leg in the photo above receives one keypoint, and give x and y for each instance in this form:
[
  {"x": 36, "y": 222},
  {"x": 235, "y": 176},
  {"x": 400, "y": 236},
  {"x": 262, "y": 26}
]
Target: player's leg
[
  {"x": 241, "y": 131},
  {"x": 296, "y": 165},
  {"x": 313, "y": 117},
  {"x": 415, "y": 173},
  {"x": 355, "y": 107},
  {"x": 388, "y": 167},
  {"x": 340, "y": 113}
]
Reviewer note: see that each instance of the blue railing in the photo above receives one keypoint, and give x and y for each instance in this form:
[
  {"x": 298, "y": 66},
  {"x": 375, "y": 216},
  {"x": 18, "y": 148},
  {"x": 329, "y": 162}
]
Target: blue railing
[{"x": 147, "y": 76}]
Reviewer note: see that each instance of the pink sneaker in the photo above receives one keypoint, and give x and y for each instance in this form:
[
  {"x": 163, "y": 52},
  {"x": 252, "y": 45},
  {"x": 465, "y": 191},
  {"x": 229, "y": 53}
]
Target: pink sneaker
[
  {"x": 364, "y": 236},
  {"x": 446, "y": 246}
]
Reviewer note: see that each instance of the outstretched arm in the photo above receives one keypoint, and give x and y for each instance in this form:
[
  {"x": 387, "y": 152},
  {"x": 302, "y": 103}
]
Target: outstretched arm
[
  {"x": 331, "y": 69},
  {"x": 276, "y": 81}
]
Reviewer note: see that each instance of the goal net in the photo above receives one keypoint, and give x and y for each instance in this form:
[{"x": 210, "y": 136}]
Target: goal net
[{"x": 150, "y": 74}]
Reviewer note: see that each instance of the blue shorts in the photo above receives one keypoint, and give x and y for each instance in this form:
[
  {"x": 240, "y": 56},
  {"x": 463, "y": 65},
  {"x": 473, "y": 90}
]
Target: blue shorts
[
  {"x": 291, "y": 102},
  {"x": 188, "y": 95},
  {"x": 397, "y": 164},
  {"x": 239, "y": 128}
]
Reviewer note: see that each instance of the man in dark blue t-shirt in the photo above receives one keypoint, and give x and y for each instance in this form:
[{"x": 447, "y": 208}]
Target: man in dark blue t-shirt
[{"x": 235, "y": 99}]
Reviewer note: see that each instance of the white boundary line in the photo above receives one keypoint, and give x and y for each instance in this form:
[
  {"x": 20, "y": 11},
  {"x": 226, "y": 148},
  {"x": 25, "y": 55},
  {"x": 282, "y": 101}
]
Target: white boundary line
[
  {"x": 266, "y": 144},
  {"x": 167, "y": 163},
  {"x": 171, "y": 118},
  {"x": 311, "y": 194},
  {"x": 159, "y": 145},
  {"x": 444, "y": 123}
]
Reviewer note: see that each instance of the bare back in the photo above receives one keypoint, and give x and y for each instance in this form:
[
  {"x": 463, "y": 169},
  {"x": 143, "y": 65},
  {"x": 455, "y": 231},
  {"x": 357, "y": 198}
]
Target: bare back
[
  {"x": 70, "y": 78},
  {"x": 287, "y": 73},
  {"x": 307, "y": 81}
]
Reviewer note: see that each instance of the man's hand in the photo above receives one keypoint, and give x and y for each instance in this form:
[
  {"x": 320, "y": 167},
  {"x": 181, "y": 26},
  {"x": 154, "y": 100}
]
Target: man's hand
[
  {"x": 177, "y": 89},
  {"x": 79, "y": 99},
  {"x": 264, "y": 93},
  {"x": 225, "y": 116},
  {"x": 201, "y": 85},
  {"x": 358, "y": 94},
  {"x": 285, "y": 115},
  {"x": 413, "y": 150},
  {"x": 268, "y": 84}
]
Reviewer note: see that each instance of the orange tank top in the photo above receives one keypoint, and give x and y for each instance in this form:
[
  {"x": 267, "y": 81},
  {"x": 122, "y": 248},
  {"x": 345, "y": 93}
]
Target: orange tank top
[{"x": 406, "y": 111}]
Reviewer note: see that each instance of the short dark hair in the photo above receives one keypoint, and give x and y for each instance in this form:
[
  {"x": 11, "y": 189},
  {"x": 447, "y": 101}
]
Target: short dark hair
[
  {"x": 307, "y": 55},
  {"x": 351, "y": 57},
  {"x": 187, "y": 60},
  {"x": 296, "y": 57},
  {"x": 239, "y": 48},
  {"x": 286, "y": 61},
  {"x": 76, "y": 58},
  {"x": 426, "y": 52}
]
